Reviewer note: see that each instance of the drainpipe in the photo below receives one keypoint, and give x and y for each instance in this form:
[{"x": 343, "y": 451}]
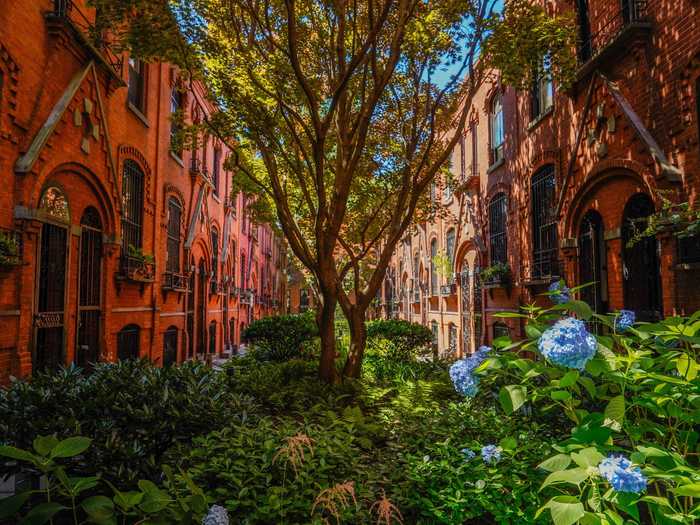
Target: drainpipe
[{"x": 154, "y": 292}]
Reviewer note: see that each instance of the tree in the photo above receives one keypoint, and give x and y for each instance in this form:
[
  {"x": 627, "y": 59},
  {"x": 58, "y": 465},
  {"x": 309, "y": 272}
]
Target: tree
[{"x": 333, "y": 116}]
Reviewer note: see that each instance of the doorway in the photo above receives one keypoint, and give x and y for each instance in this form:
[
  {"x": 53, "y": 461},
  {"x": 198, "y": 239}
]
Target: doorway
[
  {"x": 592, "y": 262},
  {"x": 89, "y": 289}
]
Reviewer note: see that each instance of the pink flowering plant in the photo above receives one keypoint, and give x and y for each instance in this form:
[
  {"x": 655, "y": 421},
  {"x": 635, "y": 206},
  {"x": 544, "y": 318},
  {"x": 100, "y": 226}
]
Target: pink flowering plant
[{"x": 630, "y": 392}]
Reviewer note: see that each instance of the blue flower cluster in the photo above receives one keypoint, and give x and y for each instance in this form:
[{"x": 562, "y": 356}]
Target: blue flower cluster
[
  {"x": 462, "y": 372},
  {"x": 620, "y": 473},
  {"x": 217, "y": 515},
  {"x": 560, "y": 292},
  {"x": 624, "y": 320},
  {"x": 468, "y": 454},
  {"x": 568, "y": 343},
  {"x": 491, "y": 454}
]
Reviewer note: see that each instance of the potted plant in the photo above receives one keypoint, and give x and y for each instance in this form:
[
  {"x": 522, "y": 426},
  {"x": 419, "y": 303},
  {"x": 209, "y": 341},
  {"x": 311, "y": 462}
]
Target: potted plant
[
  {"x": 496, "y": 275},
  {"x": 138, "y": 266},
  {"x": 9, "y": 250}
]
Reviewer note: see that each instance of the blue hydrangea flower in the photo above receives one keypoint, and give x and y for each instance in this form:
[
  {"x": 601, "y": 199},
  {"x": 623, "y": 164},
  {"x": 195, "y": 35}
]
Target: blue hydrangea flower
[
  {"x": 491, "y": 454},
  {"x": 561, "y": 294},
  {"x": 568, "y": 344},
  {"x": 620, "y": 473},
  {"x": 217, "y": 515},
  {"x": 624, "y": 320},
  {"x": 462, "y": 372},
  {"x": 468, "y": 454}
]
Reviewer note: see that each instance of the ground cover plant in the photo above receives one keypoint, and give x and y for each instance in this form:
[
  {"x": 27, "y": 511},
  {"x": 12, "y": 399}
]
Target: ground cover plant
[{"x": 591, "y": 419}]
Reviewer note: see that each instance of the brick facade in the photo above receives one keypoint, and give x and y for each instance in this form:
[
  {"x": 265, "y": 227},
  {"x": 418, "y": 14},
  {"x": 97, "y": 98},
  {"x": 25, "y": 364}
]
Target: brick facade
[
  {"x": 70, "y": 135},
  {"x": 635, "y": 107}
]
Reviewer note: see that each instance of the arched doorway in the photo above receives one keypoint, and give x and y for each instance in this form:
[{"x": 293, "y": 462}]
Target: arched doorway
[
  {"x": 49, "y": 315},
  {"x": 202, "y": 308},
  {"x": 89, "y": 288},
  {"x": 592, "y": 262},
  {"x": 640, "y": 263}
]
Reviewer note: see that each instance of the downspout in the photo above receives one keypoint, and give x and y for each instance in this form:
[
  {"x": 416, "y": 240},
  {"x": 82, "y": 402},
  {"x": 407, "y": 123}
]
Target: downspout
[{"x": 154, "y": 293}]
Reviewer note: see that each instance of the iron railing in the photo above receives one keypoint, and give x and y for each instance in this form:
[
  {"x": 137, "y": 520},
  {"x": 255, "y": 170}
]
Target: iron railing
[
  {"x": 631, "y": 12},
  {"x": 134, "y": 268},
  {"x": 174, "y": 281},
  {"x": 66, "y": 10}
]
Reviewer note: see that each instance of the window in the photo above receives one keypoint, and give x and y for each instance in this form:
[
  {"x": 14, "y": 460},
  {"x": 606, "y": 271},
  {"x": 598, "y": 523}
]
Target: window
[
  {"x": 433, "y": 269},
  {"x": 584, "y": 50},
  {"x": 462, "y": 156},
  {"x": 128, "y": 342},
  {"x": 433, "y": 192},
  {"x": 475, "y": 150},
  {"x": 137, "y": 84},
  {"x": 542, "y": 95},
  {"x": 243, "y": 283},
  {"x": 452, "y": 338},
  {"x": 215, "y": 170},
  {"x": 170, "y": 346},
  {"x": 132, "y": 206},
  {"x": 174, "y": 218},
  {"x": 497, "y": 129},
  {"x": 500, "y": 330},
  {"x": 544, "y": 223},
  {"x": 176, "y": 104},
  {"x": 498, "y": 238},
  {"x": 212, "y": 337},
  {"x": 215, "y": 254},
  {"x": 450, "y": 245},
  {"x": 447, "y": 192},
  {"x": 303, "y": 300}
]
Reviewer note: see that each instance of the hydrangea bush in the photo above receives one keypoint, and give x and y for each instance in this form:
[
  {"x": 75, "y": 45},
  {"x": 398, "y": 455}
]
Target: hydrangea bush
[{"x": 631, "y": 394}]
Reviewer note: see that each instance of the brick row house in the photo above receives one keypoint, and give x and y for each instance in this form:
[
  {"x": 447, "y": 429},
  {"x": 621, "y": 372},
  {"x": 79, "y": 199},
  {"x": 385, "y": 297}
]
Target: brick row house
[
  {"x": 548, "y": 182},
  {"x": 112, "y": 244}
]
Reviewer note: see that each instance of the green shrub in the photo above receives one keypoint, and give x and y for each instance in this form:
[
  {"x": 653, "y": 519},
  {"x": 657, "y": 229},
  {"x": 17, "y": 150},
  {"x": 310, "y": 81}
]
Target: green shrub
[
  {"x": 397, "y": 339},
  {"x": 132, "y": 411},
  {"x": 282, "y": 337}
]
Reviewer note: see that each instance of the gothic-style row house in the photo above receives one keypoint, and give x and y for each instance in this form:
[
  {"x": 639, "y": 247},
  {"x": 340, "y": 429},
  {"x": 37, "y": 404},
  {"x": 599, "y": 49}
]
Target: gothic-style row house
[
  {"x": 114, "y": 244},
  {"x": 548, "y": 184}
]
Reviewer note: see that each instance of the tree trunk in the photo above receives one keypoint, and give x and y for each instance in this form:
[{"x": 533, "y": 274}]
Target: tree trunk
[
  {"x": 325, "y": 319},
  {"x": 358, "y": 341}
]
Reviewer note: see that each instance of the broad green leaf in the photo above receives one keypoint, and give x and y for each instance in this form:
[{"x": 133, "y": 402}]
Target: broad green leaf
[
  {"x": 17, "y": 453},
  {"x": 687, "y": 367},
  {"x": 560, "y": 395},
  {"x": 581, "y": 309},
  {"x": 565, "y": 510},
  {"x": 556, "y": 463},
  {"x": 508, "y": 443},
  {"x": 574, "y": 476},
  {"x": 532, "y": 332},
  {"x": 569, "y": 379},
  {"x": 615, "y": 413},
  {"x": 692, "y": 490},
  {"x": 10, "y": 506},
  {"x": 41, "y": 514},
  {"x": 588, "y": 457},
  {"x": 70, "y": 447},
  {"x": 512, "y": 397},
  {"x": 589, "y": 385},
  {"x": 44, "y": 444},
  {"x": 99, "y": 508}
]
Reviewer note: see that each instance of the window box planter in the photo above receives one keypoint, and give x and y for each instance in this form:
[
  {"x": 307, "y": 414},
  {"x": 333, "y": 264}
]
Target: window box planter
[
  {"x": 136, "y": 267},
  {"x": 496, "y": 276},
  {"x": 174, "y": 282},
  {"x": 448, "y": 289},
  {"x": 10, "y": 250}
]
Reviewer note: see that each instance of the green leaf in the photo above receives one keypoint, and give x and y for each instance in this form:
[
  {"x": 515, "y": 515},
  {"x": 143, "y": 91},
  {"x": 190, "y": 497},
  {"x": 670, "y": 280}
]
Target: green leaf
[
  {"x": 10, "y": 506},
  {"x": 512, "y": 397},
  {"x": 692, "y": 490},
  {"x": 99, "y": 508},
  {"x": 569, "y": 379},
  {"x": 41, "y": 514},
  {"x": 44, "y": 444},
  {"x": 574, "y": 476},
  {"x": 560, "y": 395},
  {"x": 70, "y": 447},
  {"x": 581, "y": 309},
  {"x": 17, "y": 453},
  {"x": 556, "y": 463},
  {"x": 565, "y": 510},
  {"x": 687, "y": 367},
  {"x": 615, "y": 413},
  {"x": 508, "y": 443},
  {"x": 588, "y": 457},
  {"x": 532, "y": 331}
]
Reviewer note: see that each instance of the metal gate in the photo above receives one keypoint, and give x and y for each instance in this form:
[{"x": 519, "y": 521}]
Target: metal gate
[
  {"x": 202, "y": 309},
  {"x": 478, "y": 314},
  {"x": 466, "y": 309},
  {"x": 89, "y": 291},
  {"x": 49, "y": 318},
  {"x": 592, "y": 261}
]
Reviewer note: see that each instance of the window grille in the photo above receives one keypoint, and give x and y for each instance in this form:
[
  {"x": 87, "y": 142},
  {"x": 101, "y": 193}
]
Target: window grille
[
  {"x": 544, "y": 223},
  {"x": 174, "y": 219},
  {"x": 498, "y": 236}
]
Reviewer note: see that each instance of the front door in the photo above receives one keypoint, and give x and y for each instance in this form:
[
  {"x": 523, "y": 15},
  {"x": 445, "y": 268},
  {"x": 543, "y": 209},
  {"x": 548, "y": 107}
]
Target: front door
[
  {"x": 89, "y": 289},
  {"x": 592, "y": 262},
  {"x": 50, "y": 315},
  {"x": 640, "y": 262}
]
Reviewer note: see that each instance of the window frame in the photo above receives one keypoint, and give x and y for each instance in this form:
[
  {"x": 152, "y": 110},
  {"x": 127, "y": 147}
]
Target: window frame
[
  {"x": 177, "y": 103},
  {"x": 216, "y": 170},
  {"x": 545, "y": 236},
  {"x": 214, "y": 254},
  {"x": 541, "y": 95},
  {"x": 497, "y": 128},
  {"x": 434, "y": 283},
  {"x": 134, "y": 225},
  {"x": 498, "y": 229},
  {"x": 173, "y": 240},
  {"x": 140, "y": 75}
]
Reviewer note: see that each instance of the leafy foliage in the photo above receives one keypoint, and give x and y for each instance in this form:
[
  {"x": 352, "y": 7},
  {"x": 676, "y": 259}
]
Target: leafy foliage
[
  {"x": 397, "y": 339},
  {"x": 282, "y": 337}
]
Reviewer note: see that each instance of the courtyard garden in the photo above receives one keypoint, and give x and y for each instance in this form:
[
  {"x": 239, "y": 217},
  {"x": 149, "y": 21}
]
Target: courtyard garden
[{"x": 563, "y": 427}]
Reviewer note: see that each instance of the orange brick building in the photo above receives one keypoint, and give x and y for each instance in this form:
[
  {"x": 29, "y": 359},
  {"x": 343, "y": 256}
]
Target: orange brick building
[
  {"x": 556, "y": 177},
  {"x": 112, "y": 245}
]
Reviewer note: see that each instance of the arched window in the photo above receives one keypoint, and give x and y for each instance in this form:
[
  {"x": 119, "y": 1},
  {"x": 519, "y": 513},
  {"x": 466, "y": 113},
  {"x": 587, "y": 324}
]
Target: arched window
[
  {"x": 450, "y": 245},
  {"x": 54, "y": 205},
  {"x": 498, "y": 236},
  {"x": 497, "y": 129},
  {"x": 176, "y": 107},
  {"x": 137, "y": 84},
  {"x": 129, "y": 342},
  {"x": 132, "y": 206},
  {"x": 170, "y": 346},
  {"x": 173, "y": 246},
  {"x": 544, "y": 224},
  {"x": 433, "y": 269},
  {"x": 214, "y": 254}
]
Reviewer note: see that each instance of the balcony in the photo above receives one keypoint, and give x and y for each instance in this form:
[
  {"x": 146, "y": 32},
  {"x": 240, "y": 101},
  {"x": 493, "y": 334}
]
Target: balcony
[
  {"x": 614, "y": 37},
  {"x": 174, "y": 282},
  {"x": 545, "y": 268},
  {"x": 67, "y": 17},
  {"x": 136, "y": 268},
  {"x": 448, "y": 289}
]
